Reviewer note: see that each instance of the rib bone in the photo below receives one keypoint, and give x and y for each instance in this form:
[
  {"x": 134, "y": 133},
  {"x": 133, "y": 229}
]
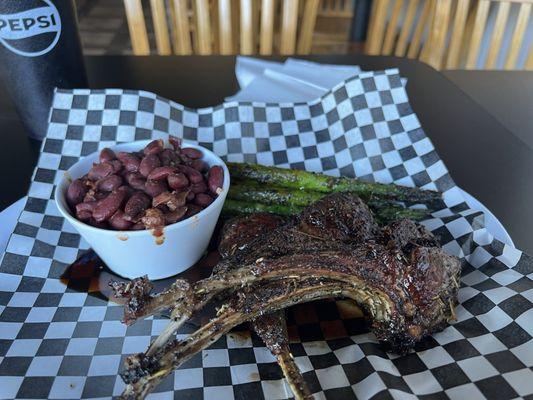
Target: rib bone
[
  {"x": 272, "y": 329},
  {"x": 146, "y": 372}
]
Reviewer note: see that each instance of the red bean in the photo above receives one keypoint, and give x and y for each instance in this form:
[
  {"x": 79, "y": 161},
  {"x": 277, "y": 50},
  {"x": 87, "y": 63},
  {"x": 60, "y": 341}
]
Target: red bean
[
  {"x": 136, "y": 180},
  {"x": 118, "y": 222},
  {"x": 203, "y": 200},
  {"x": 192, "y": 153},
  {"x": 84, "y": 215},
  {"x": 99, "y": 171},
  {"x": 177, "y": 181},
  {"x": 86, "y": 206},
  {"x": 117, "y": 165},
  {"x": 161, "y": 173},
  {"x": 76, "y": 192},
  {"x": 153, "y": 188},
  {"x": 199, "y": 165},
  {"x": 193, "y": 175},
  {"x": 107, "y": 155},
  {"x": 168, "y": 157},
  {"x": 199, "y": 188},
  {"x": 190, "y": 196},
  {"x": 129, "y": 191},
  {"x": 139, "y": 226},
  {"x": 174, "y": 216},
  {"x": 154, "y": 147},
  {"x": 108, "y": 206},
  {"x": 175, "y": 142},
  {"x": 131, "y": 162},
  {"x": 136, "y": 205},
  {"x": 100, "y": 195},
  {"x": 148, "y": 164},
  {"x": 109, "y": 183},
  {"x": 215, "y": 179}
]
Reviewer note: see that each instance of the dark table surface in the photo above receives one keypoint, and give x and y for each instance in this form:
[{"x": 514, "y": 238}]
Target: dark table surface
[
  {"x": 507, "y": 95},
  {"x": 484, "y": 157}
]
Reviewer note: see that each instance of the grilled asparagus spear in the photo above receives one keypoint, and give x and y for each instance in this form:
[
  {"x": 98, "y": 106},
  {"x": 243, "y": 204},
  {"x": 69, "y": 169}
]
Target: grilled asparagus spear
[
  {"x": 385, "y": 212},
  {"x": 236, "y": 207},
  {"x": 303, "y": 180},
  {"x": 251, "y": 191}
]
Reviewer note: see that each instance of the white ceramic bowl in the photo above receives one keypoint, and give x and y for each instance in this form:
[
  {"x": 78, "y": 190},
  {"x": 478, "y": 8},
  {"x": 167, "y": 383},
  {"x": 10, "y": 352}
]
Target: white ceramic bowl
[{"x": 135, "y": 253}]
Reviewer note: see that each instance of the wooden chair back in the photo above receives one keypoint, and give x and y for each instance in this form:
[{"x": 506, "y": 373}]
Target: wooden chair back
[
  {"x": 336, "y": 8},
  {"x": 447, "y": 33},
  {"x": 334, "y": 19},
  {"x": 223, "y": 26},
  {"x": 387, "y": 36}
]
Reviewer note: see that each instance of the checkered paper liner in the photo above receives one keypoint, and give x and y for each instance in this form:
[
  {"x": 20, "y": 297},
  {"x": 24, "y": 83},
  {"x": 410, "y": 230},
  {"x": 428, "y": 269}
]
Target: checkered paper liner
[{"x": 59, "y": 340}]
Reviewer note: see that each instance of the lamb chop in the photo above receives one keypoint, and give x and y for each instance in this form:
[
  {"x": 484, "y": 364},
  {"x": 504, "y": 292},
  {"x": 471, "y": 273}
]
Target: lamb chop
[
  {"x": 331, "y": 223},
  {"x": 271, "y": 328},
  {"x": 406, "y": 301},
  {"x": 407, "y": 287}
]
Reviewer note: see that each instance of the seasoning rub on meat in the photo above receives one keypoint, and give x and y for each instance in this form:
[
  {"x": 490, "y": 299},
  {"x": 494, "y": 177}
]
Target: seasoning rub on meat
[{"x": 397, "y": 274}]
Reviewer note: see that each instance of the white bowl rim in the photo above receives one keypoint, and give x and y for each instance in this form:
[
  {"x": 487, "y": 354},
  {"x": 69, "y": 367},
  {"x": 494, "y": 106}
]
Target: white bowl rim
[{"x": 142, "y": 143}]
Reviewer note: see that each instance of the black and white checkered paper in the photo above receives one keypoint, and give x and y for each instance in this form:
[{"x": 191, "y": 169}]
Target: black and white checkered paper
[{"x": 59, "y": 341}]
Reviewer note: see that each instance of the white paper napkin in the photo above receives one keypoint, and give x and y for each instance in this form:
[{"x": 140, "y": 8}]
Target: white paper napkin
[{"x": 292, "y": 81}]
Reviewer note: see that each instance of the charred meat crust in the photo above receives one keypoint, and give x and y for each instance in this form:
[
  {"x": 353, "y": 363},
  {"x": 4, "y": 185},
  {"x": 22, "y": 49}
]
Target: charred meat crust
[
  {"x": 398, "y": 274},
  {"x": 237, "y": 234},
  {"x": 141, "y": 302},
  {"x": 419, "y": 290},
  {"x": 330, "y": 223},
  {"x": 401, "y": 327},
  {"x": 245, "y": 305}
]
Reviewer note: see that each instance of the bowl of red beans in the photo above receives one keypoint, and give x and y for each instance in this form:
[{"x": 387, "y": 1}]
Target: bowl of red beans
[{"x": 146, "y": 207}]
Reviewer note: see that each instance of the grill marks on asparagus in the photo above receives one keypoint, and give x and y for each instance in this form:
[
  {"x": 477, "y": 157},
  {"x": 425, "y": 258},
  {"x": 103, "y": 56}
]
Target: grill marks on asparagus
[
  {"x": 304, "y": 180},
  {"x": 407, "y": 286},
  {"x": 250, "y": 197},
  {"x": 258, "y": 188}
]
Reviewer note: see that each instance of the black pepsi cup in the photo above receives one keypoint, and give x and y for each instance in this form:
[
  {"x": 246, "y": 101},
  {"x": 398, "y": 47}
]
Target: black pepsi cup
[{"x": 39, "y": 51}]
